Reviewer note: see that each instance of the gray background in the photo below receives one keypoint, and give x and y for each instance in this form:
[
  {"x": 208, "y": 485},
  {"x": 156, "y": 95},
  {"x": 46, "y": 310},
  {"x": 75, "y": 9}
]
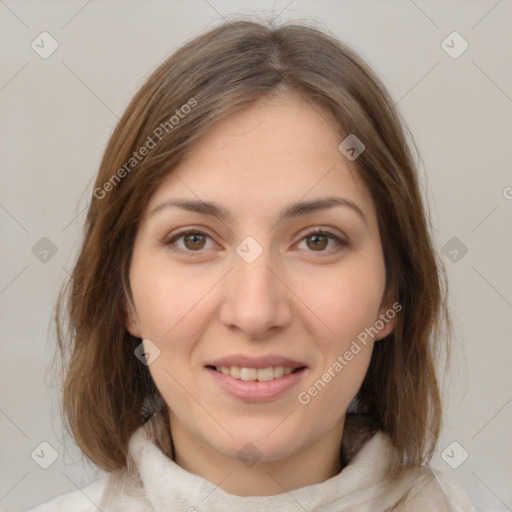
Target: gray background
[{"x": 57, "y": 115}]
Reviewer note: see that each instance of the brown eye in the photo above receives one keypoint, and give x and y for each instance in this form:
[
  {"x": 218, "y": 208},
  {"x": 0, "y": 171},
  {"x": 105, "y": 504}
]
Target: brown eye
[
  {"x": 190, "y": 242},
  {"x": 194, "y": 241},
  {"x": 317, "y": 242},
  {"x": 322, "y": 242}
]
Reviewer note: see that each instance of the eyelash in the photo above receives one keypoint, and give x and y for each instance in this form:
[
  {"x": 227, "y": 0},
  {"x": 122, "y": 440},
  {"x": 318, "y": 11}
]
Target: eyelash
[{"x": 341, "y": 242}]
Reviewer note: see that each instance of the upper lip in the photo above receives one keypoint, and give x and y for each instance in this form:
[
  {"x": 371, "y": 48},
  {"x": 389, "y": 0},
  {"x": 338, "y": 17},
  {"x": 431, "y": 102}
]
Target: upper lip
[{"x": 256, "y": 362}]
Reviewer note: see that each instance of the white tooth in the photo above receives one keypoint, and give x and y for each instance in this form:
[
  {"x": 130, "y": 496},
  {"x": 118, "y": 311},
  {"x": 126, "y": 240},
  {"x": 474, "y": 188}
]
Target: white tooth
[
  {"x": 266, "y": 373},
  {"x": 248, "y": 373},
  {"x": 278, "y": 372},
  {"x": 262, "y": 374}
]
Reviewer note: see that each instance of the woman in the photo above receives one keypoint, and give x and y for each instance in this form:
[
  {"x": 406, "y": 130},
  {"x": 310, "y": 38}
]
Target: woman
[{"x": 253, "y": 316}]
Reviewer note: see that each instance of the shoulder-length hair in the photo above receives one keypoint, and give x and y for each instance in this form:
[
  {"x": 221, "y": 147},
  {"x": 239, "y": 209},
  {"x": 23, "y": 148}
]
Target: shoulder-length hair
[{"x": 218, "y": 73}]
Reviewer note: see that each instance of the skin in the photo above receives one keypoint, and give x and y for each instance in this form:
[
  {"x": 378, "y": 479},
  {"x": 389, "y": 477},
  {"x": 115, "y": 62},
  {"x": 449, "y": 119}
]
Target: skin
[{"x": 304, "y": 298}]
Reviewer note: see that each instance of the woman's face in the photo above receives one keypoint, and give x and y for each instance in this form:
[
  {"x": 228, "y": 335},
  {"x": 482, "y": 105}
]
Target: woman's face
[{"x": 252, "y": 293}]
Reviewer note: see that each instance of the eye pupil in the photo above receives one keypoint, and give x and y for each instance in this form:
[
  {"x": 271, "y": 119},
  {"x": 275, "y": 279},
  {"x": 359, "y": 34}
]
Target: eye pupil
[
  {"x": 195, "y": 238},
  {"x": 319, "y": 241}
]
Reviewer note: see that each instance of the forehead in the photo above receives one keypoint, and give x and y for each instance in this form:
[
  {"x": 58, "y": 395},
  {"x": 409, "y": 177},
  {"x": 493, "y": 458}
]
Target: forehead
[{"x": 278, "y": 151}]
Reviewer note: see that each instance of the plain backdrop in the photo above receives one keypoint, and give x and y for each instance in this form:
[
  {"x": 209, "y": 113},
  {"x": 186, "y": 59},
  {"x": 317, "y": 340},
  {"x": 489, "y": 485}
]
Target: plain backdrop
[{"x": 58, "y": 112}]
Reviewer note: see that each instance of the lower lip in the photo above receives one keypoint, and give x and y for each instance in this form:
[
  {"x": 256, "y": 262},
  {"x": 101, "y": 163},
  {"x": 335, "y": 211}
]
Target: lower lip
[{"x": 255, "y": 390}]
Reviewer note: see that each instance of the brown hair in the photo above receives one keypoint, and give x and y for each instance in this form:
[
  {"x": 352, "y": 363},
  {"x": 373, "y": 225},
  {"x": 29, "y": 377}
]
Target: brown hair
[{"x": 220, "y": 72}]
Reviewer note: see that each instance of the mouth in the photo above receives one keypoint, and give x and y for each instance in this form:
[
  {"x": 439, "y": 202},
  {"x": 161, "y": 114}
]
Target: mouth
[
  {"x": 256, "y": 374},
  {"x": 252, "y": 385}
]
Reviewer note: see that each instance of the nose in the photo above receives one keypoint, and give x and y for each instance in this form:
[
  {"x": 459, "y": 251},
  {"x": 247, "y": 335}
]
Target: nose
[{"x": 256, "y": 299}]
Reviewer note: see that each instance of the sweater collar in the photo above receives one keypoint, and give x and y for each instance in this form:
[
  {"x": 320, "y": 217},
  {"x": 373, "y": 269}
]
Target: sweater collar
[{"x": 169, "y": 487}]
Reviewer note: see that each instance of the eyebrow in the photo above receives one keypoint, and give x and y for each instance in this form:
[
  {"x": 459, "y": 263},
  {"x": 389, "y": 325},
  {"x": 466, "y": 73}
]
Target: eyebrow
[{"x": 289, "y": 212}]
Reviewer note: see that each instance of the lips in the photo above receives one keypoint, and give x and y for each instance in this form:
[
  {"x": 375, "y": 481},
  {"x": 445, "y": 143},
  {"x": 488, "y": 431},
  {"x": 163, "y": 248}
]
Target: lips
[
  {"x": 256, "y": 379},
  {"x": 266, "y": 361}
]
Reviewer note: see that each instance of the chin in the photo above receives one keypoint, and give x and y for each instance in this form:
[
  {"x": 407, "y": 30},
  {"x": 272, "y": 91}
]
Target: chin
[{"x": 258, "y": 447}]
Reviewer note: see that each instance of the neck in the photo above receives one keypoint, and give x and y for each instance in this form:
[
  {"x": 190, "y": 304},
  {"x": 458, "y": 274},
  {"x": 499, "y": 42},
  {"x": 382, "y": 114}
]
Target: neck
[{"x": 311, "y": 465}]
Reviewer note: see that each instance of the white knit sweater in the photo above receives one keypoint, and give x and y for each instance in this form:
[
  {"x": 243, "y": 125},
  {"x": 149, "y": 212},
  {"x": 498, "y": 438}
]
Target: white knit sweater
[{"x": 153, "y": 482}]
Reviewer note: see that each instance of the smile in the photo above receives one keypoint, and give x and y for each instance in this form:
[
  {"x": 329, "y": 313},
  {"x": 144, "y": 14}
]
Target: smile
[
  {"x": 260, "y": 374},
  {"x": 245, "y": 384}
]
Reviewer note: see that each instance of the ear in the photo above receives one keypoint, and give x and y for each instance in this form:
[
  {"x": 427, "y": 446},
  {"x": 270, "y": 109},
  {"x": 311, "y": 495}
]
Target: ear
[
  {"x": 132, "y": 322},
  {"x": 388, "y": 316}
]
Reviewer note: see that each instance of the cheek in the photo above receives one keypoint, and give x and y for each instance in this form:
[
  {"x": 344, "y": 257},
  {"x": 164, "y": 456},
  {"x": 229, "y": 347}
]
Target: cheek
[
  {"x": 166, "y": 298},
  {"x": 172, "y": 307},
  {"x": 329, "y": 392},
  {"x": 346, "y": 301}
]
